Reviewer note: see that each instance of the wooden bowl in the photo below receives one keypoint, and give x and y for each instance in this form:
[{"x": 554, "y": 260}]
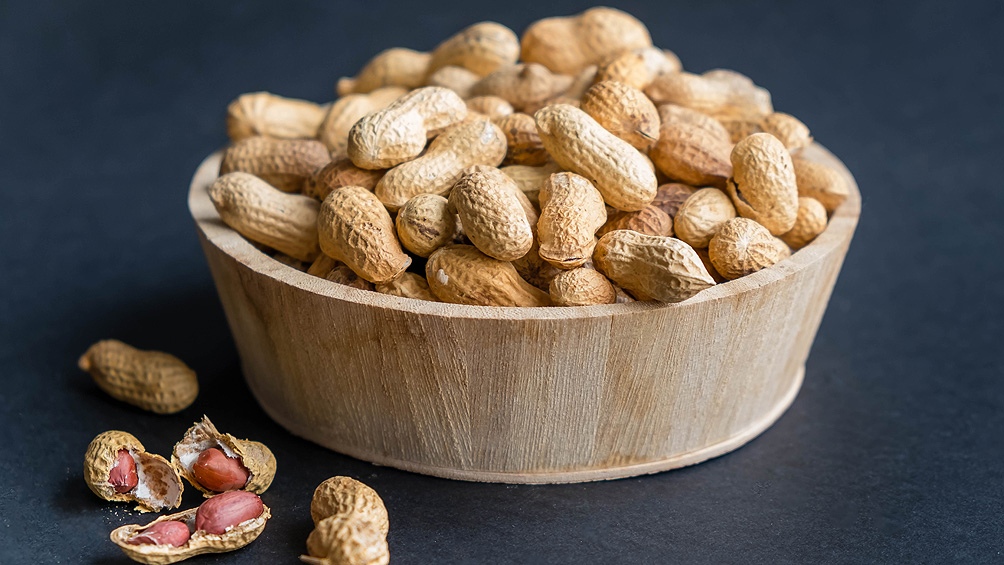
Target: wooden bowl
[{"x": 522, "y": 395}]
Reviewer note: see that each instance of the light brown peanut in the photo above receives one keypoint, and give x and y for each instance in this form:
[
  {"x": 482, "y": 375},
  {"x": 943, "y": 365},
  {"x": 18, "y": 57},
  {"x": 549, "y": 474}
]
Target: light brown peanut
[
  {"x": 151, "y": 380},
  {"x": 763, "y": 185},
  {"x": 398, "y": 133},
  {"x": 569, "y": 44},
  {"x": 702, "y": 215},
  {"x": 579, "y": 144},
  {"x": 524, "y": 86},
  {"x": 639, "y": 67},
  {"x": 531, "y": 179},
  {"x": 650, "y": 220},
  {"x": 118, "y": 468},
  {"x": 571, "y": 211},
  {"x": 624, "y": 111},
  {"x": 692, "y": 155},
  {"x": 481, "y": 48},
  {"x": 819, "y": 181},
  {"x": 463, "y": 275},
  {"x": 669, "y": 197},
  {"x": 651, "y": 267},
  {"x": 346, "y": 111},
  {"x": 425, "y": 223},
  {"x": 230, "y": 521},
  {"x": 489, "y": 209},
  {"x": 742, "y": 247},
  {"x": 246, "y": 465},
  {"x": 345, "y": 497},
  {"x": 355, "y": 228},
  {"x": 524, "y": 146},
  {"x": 262, "y": 213},
  {"x": 673, "y": 114},
  {"x": 788, "y": 129},
  {"x": 345, "y": 541},
  {"x": 262, "y": 113},
  {"x": 581, "y": 287},
  {"x": 337, "y": 174},
  {"x": 397, "y": 66},
  {"x": 810, "y": 222},
  {"x": 457, "y": 79},
  {"x": 286, "y": 164},
  {"x": 438, "y": 169},
  {"x": 714, "y": 96},
  {"x": 408, "y": 285},
  {"x": 492, "y": 107}
]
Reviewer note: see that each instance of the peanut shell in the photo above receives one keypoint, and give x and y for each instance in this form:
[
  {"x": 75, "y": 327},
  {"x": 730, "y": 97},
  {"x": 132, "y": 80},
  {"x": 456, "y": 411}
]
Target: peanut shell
[
  {"x": 408, "y": 285},
  {"x": 650, "y": 220},
  {"x": 340, "y": 541},
  {"x": 405, "y": 68},
  {"x": 355, "y": 228},
  {"x": 673, "y": 114},
  {"x": 337, "y": 174},
  {"x": 692, "y": 155},
  {"x": 702, "y": 215},
  {"x": 569, "y": 44},
  {"x": 651, "y": 267},
  {"x": 819, "y": 181},
  {"x": 286, "y": 164},
  {"x": 199, "y": 543},
  {"x": 481, "y": 48},
  {"x": 581, "y": 287},
  {"x": 346, "y": 111},
  {"x": 523, "y": 144},
  {"x": 571, "y": 211},
  {"x": 669, "y": 197},
  {"x": 763, "y": 186},
  {"x": 425, "y": 223},
  {"x": 624, "y": 111},
  {"x": 491, "y": 212},
  {"x": 524, "y": 86},
  {"x": 742, "y": 247},
  {"x": 531, "y": 179},
  {"x": 491, "y": 107},
  {"x": 342, "y": 274},
  {"x": 463, "y": 275},
  {"x": 457, "y": 79},
  {"x": 262, "y": 113},
  {"x": 347, "y": 497},
  {"x": 810, "y": 222},
  {"x": 159, "y": 485},
  {"x": 151, "y": 380},
  {"x": 255, "y": 456},
  {"x": 639, "y": 67}
]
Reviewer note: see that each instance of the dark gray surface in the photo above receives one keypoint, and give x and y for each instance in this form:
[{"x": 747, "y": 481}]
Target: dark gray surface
[{"x": 892, "y": 452}]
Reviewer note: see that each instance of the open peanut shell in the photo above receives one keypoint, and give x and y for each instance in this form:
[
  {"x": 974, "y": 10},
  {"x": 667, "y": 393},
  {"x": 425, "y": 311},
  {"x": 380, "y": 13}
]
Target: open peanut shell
[
  {"x": 255, "y": 456},
  {"x": 158, "y": 487},
  {"x": 200, "y": 542}
]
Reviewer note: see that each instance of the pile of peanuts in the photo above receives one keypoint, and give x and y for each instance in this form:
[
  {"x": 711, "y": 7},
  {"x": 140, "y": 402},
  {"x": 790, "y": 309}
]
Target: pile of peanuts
[{"x": 576, "y": 165}]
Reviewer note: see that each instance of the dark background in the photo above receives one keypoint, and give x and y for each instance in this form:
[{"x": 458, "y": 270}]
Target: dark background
[{"x": 892, "y": 452}]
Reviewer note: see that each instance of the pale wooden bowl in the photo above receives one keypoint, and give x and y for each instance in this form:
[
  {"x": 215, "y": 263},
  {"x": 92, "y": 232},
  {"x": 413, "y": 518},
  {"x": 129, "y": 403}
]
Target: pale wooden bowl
[{"x": 522, "y": 395}]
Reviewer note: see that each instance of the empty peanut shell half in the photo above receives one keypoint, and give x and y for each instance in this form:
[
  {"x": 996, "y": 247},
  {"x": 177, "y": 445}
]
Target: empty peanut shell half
[
  {"x": 176, "y": 537},
  {"x": 118, "y": 468},
  {"x": 214, "y": 462}
]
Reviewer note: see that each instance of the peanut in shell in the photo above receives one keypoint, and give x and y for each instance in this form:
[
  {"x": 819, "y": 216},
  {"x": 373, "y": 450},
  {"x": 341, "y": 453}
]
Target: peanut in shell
[
  {"x": 651, "y": 267},
  {"x": 763, "y": 186},
  {"x": 286, "y": 164},
  {"x": 151, "y": 380},
  {"x": 255, "y": 456},
  {"x": 158, "y": 487}
]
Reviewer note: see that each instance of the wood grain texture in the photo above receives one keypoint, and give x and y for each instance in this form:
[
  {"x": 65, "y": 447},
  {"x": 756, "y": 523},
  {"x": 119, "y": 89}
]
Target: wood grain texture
[{"x": 523, "y": 395}]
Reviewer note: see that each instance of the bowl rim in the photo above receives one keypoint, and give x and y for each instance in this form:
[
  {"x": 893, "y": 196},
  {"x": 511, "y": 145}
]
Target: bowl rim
[{"x": 837, "y": 235}]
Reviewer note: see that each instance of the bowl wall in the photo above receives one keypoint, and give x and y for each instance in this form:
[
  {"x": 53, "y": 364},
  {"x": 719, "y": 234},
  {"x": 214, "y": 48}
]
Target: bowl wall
[{"x": 540, "y": 395}]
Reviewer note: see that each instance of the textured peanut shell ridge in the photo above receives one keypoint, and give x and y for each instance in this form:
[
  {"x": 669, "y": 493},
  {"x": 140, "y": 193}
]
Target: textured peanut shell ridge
[
  {"x": 524, "y": 85},
  {"x": 788, "y": 129},
  {"x": 347, "y": 497},
  {"x": 490, "y": 211},
  {"x": 581, "y": 287},
  {"x": 651, "y": 267},
  {"x": 742, "y": 247},
  {"x": 263, "y": 214},
  {"x": 457, "y": 79},
  {"x": 474, "y": 143},
  {"x": 568, "y": 44},
  {"x": 159, "y": 485},
  {"x": 396, "y": 66},
  {"x": 339, "y": 540},
  {"x": 531, "y": 179},
  {"x": 337, "y": 174},
  {"x": 810, "y": 222},
  {"x": 624, "y": 111},
  {"x": 524, "y": 146},
  {"x": 702, "y": 215},
  {"x": 463, "y": 275},
  {"x": 286, "y": 164},
  {"x": 670, "y": 196},
  {"x": 408, "y": 285},
  {"x": 741, "y": 127},
  {"x": 261, "y": 113},
  {"x": 355, "y": 228},
  {"x": 150, "y": 380},
  {"x": 673, "y": 114},
  {"x": 579, "y": 144},
  {"x": 819, "y": 181},
  {"x": 346, "y": 111},
  {"x": 690, "y": 154},
  {"x": 639, "y": 67},
  {"x": 480, "y": 48},
  {"x": 199, "y": 543},
  {"x": 650, "y": 220},
  {"x": 425, "y": 224},
  {"x": 571, "y": 211},
  {"x": 398, "y": 133},
  {"x": 256, "y": 457},
  {"x": 763, "y": 186}
]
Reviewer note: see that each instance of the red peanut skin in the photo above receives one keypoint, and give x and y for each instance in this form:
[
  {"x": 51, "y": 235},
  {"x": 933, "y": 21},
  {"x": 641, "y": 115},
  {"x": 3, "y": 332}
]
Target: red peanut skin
[
  {"x": 123, "y": 474},
  {"x": 228, "y": 509},
  {"x": 171, "y": 533},
  {"x": 219, "y": 473}
]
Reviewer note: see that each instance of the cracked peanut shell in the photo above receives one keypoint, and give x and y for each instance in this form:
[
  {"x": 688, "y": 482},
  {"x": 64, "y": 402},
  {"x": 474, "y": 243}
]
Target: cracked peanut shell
[
  {"x": 255, "y": 456},
  {"x": 158, "y": 484}
]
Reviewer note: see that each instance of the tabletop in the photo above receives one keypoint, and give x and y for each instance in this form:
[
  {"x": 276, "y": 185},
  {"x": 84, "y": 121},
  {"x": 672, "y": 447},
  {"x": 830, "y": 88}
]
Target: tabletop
[{"x": 892, "y": 452}]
